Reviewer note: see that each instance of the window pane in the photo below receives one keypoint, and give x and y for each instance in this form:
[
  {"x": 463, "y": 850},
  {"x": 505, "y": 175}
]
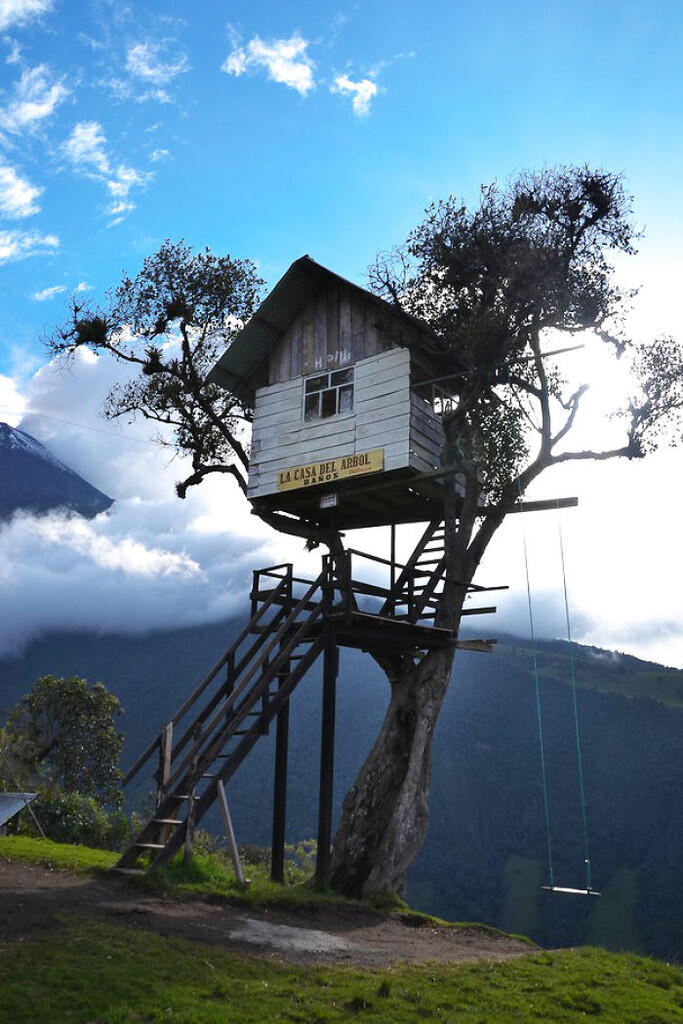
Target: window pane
[
  {"x": 312, "y": 407},
  {"x": 342, "y": 377},
  {"x": 329, "y": 402},
  {"x": 317, "y": 383},
  {"x": 346, "y": 398}
]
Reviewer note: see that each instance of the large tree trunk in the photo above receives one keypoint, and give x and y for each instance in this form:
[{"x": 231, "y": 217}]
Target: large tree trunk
[{"x": 385, "y": 813}]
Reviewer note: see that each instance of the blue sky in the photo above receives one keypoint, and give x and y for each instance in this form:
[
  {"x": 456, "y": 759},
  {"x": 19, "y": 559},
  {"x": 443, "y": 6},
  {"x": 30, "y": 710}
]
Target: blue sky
[
  {"x": 122, "y": 124},
  {"x": 269, "y": 130}
]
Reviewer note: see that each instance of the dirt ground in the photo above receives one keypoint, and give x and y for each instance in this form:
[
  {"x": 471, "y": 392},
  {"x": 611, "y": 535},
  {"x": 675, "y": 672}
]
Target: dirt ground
[{"x": 35, "y": 899}]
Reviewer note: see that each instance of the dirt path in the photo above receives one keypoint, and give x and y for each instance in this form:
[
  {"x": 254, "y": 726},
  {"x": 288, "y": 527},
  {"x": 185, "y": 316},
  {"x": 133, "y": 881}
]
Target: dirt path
[{"x": 34, "y": 899}]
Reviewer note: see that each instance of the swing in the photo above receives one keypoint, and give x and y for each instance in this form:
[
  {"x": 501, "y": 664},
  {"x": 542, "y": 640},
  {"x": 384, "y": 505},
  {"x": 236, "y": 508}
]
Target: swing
[{"x": 552, "y": 887}]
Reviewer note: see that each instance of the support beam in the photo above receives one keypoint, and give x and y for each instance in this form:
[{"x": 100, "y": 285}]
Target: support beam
[
  {"x": 277, "y": 854},
  {"x": 188, "y": 849},
  {"x": 330, "y": 669},
  {"x": 229, "y": 831}
]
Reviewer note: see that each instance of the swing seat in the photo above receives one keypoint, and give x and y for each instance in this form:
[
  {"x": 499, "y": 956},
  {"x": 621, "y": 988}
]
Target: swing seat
[{"x": 571, "y": 892}]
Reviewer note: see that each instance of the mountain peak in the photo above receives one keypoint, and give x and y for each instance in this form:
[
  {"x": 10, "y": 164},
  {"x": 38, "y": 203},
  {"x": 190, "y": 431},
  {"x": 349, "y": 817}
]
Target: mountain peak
[
  {"x": 19, "y": 440},
  {"x": 34, "y": 480}
]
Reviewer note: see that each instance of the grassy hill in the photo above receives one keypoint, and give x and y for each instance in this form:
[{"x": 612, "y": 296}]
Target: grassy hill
[
  {"x": 107, "y": 971},
  {"x": 484, "y": 854}
]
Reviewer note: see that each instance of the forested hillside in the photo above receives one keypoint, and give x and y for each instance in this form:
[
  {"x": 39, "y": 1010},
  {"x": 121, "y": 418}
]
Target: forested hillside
[{"x": 484, "y": 858}]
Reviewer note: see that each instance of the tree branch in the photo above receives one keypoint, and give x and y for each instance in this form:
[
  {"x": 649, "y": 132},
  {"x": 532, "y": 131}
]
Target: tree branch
[{"x": 200, "y": 474}]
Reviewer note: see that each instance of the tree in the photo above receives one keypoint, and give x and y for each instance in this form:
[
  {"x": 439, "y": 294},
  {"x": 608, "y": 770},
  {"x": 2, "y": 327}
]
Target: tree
[
  {"x": 62, "y": 735},
  {"x": 491, "y": 283}
]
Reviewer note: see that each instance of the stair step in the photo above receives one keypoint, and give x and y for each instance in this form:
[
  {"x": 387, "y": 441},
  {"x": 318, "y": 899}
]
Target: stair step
[
  {"x": 167, "y": 821},
  {"x": 150, "y": 846}
]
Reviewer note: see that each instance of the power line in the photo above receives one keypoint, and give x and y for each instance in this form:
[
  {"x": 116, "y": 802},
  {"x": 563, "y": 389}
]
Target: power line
[{"x": 84, "y": 426}]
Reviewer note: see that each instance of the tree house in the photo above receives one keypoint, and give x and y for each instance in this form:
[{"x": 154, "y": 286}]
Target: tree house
[
  {"x": 342, "y": 435},
  {"x": 342, "y": 432}
]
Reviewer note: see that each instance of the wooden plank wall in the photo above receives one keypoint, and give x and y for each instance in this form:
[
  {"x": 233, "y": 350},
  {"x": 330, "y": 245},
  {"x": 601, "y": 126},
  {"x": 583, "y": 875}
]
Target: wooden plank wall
[
  {"x": 426, "y": 435},
  {"x": 339, "y": 327},
  {"x": 381, "y": 418}
]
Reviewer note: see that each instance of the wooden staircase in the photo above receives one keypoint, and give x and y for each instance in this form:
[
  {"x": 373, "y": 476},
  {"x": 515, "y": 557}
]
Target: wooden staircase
[
  {"x": 292, "y": 622},
  {"x": 260, "y": 676}
]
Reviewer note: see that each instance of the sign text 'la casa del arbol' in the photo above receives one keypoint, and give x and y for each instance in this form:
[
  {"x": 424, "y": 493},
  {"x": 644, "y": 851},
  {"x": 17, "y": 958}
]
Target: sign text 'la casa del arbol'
[{"x": 330, "y": 470}]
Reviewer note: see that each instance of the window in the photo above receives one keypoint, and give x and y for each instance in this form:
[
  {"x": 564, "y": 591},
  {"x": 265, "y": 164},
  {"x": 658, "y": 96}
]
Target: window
[{"x": 327, "y": 394}]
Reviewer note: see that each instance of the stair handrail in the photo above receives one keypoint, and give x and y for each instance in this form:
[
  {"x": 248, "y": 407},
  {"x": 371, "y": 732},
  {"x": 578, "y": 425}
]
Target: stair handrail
[
  {"x": 230, "y": 698},
  {"x": 218, "y": 740},
  {"x": 206, "y": 681}
]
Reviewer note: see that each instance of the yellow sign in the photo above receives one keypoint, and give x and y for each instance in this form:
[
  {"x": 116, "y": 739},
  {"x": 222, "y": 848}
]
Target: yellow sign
[{"x": 331, "y": 470}]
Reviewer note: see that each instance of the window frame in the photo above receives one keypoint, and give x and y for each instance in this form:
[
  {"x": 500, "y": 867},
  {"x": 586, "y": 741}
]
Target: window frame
[{"x": 329, "y": 387}]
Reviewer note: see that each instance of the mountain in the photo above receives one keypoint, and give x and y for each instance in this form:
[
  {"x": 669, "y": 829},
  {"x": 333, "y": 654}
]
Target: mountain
[
  {"x": 484, "y": 856},
  {"x": 35, "y": 481}
]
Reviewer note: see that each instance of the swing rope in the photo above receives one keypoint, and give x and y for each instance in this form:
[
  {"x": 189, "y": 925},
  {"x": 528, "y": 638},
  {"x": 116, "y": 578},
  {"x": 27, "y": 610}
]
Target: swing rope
[
  {"x": 539, "y": 716},
  {"x": 577, "y": 727}
]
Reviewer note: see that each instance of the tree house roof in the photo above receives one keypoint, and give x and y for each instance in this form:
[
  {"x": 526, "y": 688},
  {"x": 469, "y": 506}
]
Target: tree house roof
[{"x": 238, "y": 368}]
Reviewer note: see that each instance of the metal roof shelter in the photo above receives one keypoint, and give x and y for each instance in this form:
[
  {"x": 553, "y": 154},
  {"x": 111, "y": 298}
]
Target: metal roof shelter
[{"x": 12, "y": 803}]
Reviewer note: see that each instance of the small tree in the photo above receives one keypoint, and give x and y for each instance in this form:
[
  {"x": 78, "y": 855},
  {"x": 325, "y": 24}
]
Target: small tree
[
  {"x": 62, "y": 736},
  {"x": 491, "y": 282}
]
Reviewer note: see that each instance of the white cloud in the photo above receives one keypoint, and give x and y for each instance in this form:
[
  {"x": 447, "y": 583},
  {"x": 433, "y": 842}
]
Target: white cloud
[
  {"x": 85, "y": 148},
  {"x": 159, "y": 154},
  {"x": 146, "y": 61},
  {"x": 363, "y": 92},
  {"x": 152, "y": 561},
  {"x": 48, "y": 293},
  {"x": 17, "y": 195},
  {"x": 12, "y": 402},
  {"x": 58, "y": 289},
  {"x": 14, "y": 56},
  {"x": 19, "y": 12},
  {"x": 37, "y": 94},
  {"x": 126, "y": 553},
  {"x": 285, "y": 61},
  {"x": 16, "y": 245}
]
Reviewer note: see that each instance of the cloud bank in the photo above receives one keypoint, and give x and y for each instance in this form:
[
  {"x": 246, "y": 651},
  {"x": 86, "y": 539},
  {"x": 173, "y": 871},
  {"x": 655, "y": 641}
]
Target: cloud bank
[{"x": 152, "y": 561}]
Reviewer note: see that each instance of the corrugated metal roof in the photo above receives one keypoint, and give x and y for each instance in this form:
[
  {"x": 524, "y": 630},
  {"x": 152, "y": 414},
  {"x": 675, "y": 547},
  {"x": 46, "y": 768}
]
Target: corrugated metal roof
[{"x": 238, "y": 367}]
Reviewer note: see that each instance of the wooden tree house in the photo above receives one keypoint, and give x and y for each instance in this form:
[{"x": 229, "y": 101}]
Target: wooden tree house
[
  {"x": 347, "y": 433},
  {"x": 344, "y": 423}
]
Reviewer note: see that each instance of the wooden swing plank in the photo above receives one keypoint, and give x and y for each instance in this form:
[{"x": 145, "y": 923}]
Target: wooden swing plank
[{"x": 571, "y": 892}]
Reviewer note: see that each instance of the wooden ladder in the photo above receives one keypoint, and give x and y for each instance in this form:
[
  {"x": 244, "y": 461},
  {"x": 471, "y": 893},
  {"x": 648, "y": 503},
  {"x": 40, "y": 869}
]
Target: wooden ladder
[{"x": 413, "y": 594}]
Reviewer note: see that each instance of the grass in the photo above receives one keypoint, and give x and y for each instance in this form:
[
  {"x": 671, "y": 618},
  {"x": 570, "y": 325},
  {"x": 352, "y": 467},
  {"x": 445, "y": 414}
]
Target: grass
[
  {"x": 96, "y": 973},
  {"x": 82, "y": 859},
  {"x": 210, "y": 874},
  {"x": 93, "y": 972}
]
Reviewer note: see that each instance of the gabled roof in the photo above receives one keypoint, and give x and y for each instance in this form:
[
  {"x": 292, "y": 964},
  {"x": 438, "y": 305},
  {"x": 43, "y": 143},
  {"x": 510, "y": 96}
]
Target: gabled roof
[{"x": 238, "y": 367}]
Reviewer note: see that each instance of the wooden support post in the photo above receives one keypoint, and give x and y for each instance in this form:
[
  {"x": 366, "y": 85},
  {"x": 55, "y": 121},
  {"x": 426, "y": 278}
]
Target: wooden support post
[
  {"x": 392, "y": 579},
  {"x": 164, "y": 774},
  {"x": 165, "y": 751},
  {"x": 229, "y": 831},
  {"x": 330, "y": 669},
  {"x": 277, "y": 853},
  {"x": 188, "y": 848}
]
